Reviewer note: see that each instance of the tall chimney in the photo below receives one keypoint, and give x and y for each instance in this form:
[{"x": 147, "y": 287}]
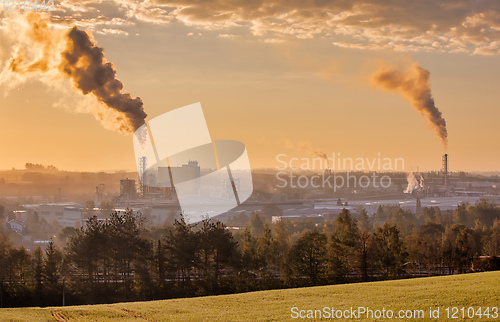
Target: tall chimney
[
  {"x": 142, "y": 170},
  {"x": 445, "y": 171}
]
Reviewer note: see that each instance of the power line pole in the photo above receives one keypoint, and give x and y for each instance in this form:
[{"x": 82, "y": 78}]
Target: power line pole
[{"x": 63, "y": 297}]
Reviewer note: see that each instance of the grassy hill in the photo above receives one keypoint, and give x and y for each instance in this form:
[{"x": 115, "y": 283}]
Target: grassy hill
[{"x": 470, "y": 290}]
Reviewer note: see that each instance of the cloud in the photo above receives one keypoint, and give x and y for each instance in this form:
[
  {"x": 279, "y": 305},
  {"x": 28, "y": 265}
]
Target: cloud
[
  {"x": 470, "y": 26},
  {"x": 108, "y": 31},
  {"x": 227, "y": 36},
  {"x": 491, "y": 49}
]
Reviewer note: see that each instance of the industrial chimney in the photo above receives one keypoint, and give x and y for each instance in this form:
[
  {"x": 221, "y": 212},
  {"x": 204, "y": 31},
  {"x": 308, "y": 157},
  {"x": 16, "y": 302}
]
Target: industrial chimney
[
  {"x": 142, "y": 169},
  {"x": 445, "y": 171}
]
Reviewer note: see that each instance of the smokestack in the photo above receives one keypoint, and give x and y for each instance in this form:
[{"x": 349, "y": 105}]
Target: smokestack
[
  {"x": 142, "y": 170},
  {"x": 445, "y": 171},
  {"x": 414, "y": 85}
]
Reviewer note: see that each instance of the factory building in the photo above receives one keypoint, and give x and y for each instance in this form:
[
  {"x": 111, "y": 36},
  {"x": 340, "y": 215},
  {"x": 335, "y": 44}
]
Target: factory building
[
  {"x": 128, "y": 189},
  {"x": 188, "y": 174},
  {"x": 65, "y": 214}
]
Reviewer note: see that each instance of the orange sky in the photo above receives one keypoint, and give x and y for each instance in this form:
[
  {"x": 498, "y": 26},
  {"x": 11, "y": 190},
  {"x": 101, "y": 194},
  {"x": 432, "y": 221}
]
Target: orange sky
[{"x": 263, "y": 91}]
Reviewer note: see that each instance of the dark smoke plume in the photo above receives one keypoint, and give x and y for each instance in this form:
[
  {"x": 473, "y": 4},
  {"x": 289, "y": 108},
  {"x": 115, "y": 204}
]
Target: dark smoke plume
[
  {"x": 85, "y": 64},
  {"x": 305, "y": 146},
  {"x": 39, "y": 51},
  {"x": 414, "y": 85}
]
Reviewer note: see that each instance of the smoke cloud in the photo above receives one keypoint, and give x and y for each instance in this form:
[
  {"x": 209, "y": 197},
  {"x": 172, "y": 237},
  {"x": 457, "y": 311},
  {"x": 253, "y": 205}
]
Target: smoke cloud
[
  {"x": 85, "y": 64},
  {"x": 305, "y": 146},
  {"x": 38, "y": 33},
  {"x": 413, "y": 183},
  {"x": 414, "y": 85},
  {"x": 51, "y": 54}
]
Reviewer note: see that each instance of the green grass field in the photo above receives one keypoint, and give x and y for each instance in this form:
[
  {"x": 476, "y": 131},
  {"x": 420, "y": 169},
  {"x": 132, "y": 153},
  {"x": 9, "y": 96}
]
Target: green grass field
[{"x": 470, "y": 290}]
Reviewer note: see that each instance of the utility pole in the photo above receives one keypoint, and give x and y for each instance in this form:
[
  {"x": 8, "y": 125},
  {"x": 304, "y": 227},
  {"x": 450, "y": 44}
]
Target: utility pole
[{"x": 63, "y": 297}]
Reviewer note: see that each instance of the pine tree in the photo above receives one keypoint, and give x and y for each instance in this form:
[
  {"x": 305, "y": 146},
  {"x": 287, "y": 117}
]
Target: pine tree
[
  {"x": 160, "y": 262},
  {"x": 365, "y": 252},
  {"x": 280, "y": 249},
  {"x": 365, "y": 221},
  {"x": 51, "y": 265},
  {"x": 38, "y": 271},
  {"x": 391, "y": 250},
  {"x": 342, "y": 245},
  {"x": 310, "y": 256}
]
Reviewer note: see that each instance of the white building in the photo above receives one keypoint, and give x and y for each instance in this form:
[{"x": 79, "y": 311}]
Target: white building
[
  {"x": 160, "y": 213},
  {"x": 21, "y": 215},
  {"x": 72, "y": 217},
  {"x": 65, "y": 214},
  {"x": 15, "y": 226}
]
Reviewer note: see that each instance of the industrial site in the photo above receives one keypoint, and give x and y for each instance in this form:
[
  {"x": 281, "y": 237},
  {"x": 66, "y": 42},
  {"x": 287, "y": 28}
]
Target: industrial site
[{"x": 50, "y": 200}]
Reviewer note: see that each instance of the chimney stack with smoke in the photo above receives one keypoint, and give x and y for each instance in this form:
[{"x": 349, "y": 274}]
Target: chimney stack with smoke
[{"x": 445, "y": 171}]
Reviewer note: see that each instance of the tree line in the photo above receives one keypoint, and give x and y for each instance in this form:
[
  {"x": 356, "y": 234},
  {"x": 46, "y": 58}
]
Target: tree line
[{"x": 119, "y": 259}]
